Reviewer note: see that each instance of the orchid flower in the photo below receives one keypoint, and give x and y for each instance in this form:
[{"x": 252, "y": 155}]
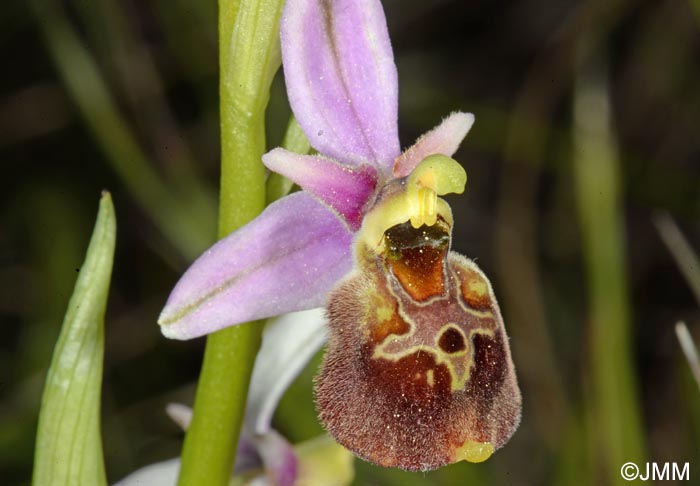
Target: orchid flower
[
  {"x": 418, "y": 373},
  {"x": 267, "y": 460},
  {"x": 265, "y": 457}
]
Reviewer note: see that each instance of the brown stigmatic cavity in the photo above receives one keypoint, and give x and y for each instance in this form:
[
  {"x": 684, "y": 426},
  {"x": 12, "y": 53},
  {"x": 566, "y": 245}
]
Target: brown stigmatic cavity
[
  {"x": 415, "y": 373},
  {"x": 416, "y": 257}
]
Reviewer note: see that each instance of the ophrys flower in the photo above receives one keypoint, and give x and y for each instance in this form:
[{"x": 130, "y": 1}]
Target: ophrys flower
[{"x": 418, "y": 373}]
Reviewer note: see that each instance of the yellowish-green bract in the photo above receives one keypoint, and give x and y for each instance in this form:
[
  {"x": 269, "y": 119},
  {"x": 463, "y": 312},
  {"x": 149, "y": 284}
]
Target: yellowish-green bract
[{"x": 69, "y": 445}]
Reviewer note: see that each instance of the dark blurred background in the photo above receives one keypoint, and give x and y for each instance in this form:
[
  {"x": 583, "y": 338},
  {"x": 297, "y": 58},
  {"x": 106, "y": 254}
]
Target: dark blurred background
[{"x": 585, "y": 155}]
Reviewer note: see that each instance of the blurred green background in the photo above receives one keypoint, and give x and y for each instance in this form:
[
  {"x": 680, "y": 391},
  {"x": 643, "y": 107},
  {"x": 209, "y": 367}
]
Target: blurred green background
[{"x": 586, "y": 149}]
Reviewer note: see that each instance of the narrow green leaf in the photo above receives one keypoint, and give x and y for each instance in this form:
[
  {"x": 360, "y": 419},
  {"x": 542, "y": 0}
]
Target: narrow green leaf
[
  {"x": 687, "y": 260},
  {"x": 617, "y": 435},
  {"x": 68, "y": 445},
  {"x": 689, "y": 350}
]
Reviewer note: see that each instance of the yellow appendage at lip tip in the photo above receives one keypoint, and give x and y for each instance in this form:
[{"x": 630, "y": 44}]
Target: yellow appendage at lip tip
[{"x": 472, "y": 451}]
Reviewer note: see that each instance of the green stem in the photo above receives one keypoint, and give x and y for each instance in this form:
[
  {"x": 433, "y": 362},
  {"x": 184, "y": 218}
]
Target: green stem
[{"x": 249, "y": 57}]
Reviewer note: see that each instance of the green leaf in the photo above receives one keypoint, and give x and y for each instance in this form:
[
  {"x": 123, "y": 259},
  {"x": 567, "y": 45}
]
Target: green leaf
[
  {"x": 68, "y": 445},
  {"x": 616, "y": 434}
]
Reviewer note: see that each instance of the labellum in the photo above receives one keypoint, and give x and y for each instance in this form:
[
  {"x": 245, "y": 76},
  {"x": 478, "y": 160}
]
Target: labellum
[{"x": 418, "y": 372}]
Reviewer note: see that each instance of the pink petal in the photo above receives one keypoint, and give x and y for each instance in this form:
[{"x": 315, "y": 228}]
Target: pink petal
[
  {"x": 341, "y": 78},
  {"x": 285, "y": 260},
  {"x": 344, "y": 188},
  {"x": 443, "y": 139}
]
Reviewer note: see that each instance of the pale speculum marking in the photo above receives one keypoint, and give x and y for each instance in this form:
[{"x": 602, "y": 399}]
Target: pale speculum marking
[{"x": 444, "y": 327}]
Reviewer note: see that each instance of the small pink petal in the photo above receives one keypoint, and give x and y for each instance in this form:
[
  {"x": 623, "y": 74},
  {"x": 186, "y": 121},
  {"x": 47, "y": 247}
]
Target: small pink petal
[
  {"x": 344, "y": 188},
  {"x": 443, "y": 139},
  {"x": 285, "y": 260},
  {"x": 341, "y": 78}
]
